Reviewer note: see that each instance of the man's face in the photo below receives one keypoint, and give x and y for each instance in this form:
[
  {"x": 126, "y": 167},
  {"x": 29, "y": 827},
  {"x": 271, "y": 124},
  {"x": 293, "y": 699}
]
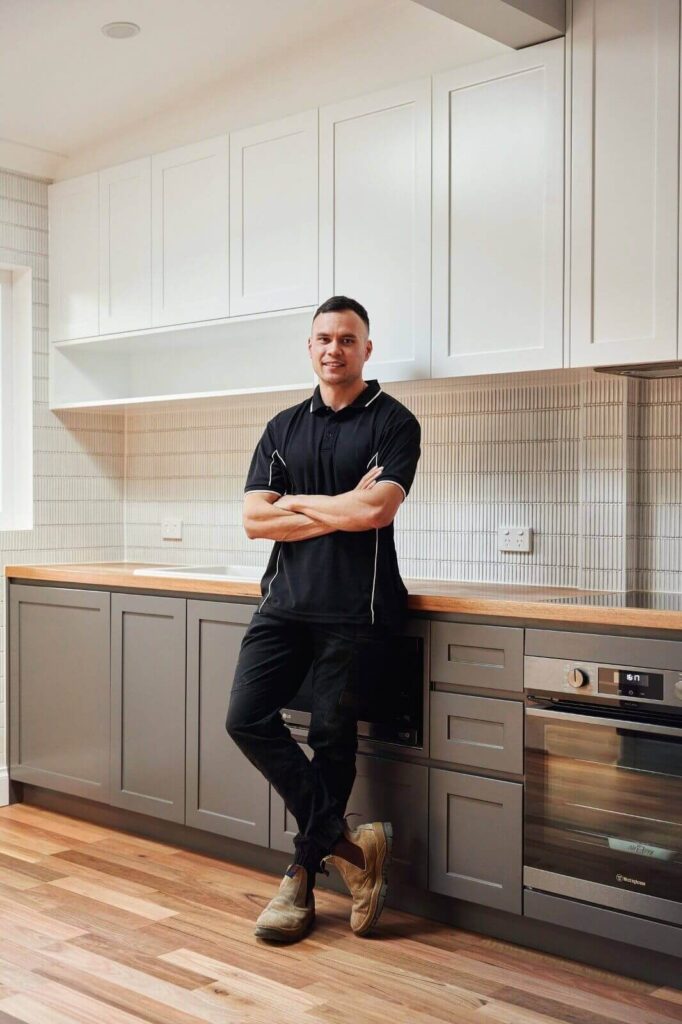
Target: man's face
[{"x": 339, "y": 347}]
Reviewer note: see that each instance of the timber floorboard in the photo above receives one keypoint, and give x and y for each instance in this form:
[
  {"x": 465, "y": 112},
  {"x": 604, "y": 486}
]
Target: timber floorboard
[{"x": 99, "y": 926}]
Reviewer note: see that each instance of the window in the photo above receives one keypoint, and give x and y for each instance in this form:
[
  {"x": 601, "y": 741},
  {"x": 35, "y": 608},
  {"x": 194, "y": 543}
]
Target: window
[{"x": 16, "y": 398}]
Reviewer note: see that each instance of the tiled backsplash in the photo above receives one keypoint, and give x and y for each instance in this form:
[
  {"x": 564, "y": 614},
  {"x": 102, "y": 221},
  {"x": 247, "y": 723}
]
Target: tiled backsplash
[
  {"x": 578, "y": 456},
  {"x": 657, "y": 525},
  {"x": 78, "y": 457}
]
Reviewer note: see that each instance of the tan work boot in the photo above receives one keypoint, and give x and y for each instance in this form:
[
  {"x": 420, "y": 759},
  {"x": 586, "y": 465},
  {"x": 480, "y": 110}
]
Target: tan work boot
[
  {"x": 288, "y": 917},
  {"x": 368, "y": 885}
]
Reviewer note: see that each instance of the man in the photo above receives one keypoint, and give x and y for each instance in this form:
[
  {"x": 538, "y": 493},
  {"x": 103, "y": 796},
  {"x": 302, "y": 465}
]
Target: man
[{"x": 325, "y": 483}]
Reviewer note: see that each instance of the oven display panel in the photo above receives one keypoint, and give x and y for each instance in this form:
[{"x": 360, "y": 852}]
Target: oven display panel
[{"x": 630, "y": 682}]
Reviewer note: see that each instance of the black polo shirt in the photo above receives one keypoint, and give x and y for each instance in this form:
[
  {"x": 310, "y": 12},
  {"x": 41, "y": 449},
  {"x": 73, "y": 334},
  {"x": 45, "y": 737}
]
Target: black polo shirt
[{"x": 345, "y": 576}]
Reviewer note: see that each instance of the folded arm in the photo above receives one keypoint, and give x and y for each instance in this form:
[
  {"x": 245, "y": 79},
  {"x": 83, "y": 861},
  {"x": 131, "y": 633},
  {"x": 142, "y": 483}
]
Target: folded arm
[
  {"x": 264, "y": 518},
  {"x": 293, "y": 517},
  {"x": 361, "y": 509}
]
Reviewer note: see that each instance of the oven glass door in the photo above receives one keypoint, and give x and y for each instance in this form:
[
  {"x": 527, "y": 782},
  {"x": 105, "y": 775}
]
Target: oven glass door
[{"x": 603, "y": 811}]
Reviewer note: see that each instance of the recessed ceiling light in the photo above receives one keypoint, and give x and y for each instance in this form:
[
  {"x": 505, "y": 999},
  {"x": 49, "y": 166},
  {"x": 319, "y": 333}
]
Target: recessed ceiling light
[{"x": 120, "y": 29}]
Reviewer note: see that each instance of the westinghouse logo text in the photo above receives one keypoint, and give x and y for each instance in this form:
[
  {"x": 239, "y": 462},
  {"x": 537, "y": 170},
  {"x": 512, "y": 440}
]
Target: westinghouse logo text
[{"x": 631, "y": 881}]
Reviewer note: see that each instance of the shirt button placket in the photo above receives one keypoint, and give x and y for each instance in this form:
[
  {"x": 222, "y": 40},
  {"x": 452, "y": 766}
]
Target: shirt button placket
[{"x": 330, "y": 434}]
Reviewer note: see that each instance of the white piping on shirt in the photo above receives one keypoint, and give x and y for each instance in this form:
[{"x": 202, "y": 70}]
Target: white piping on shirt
[
  {"x": 272, "y": 463},
  {"x": 387, "y": 480},
  {"x": 366, "y": 403},
  {"x": 376, "y": 552},
  {"x": 375, "y": 459},
  {"x": 272, "y": 580}
]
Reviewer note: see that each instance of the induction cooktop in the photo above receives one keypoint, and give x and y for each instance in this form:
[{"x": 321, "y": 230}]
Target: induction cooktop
[{"x": 622, "y": 599}]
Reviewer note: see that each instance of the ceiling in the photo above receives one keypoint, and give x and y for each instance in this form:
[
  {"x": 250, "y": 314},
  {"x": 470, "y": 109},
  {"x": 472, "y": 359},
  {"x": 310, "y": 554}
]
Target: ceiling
[{"x": 65, "y": 87}]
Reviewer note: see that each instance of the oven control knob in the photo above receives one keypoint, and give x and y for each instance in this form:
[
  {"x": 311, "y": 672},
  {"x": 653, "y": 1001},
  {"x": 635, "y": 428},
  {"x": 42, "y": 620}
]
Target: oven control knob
[{"x": 576, "y": 678}]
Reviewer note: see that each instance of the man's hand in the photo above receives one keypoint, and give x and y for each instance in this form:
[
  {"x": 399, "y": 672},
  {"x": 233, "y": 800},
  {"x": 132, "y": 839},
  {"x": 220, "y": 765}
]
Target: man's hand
[{"x": 369, "y": 479}]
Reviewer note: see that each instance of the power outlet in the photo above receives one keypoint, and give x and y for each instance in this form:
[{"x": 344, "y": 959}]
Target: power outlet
[
  {"x": 514, "y": 538},
  {"x": 171, "y": 529}
]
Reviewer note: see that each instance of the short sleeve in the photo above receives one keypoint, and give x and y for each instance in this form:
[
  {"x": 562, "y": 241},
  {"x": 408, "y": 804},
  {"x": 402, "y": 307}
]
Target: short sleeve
[
  {"x": 267, "y": 471},
  {"x": 399, "y": 453}
]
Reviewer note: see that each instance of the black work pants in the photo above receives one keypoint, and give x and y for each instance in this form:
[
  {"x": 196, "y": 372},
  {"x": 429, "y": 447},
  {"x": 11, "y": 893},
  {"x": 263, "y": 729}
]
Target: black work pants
[{"x": 275, "y": 656}]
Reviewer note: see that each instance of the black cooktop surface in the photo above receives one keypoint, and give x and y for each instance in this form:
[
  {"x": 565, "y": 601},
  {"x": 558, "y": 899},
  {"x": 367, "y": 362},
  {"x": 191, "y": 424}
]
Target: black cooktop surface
[{"x": 623, "y": 599}]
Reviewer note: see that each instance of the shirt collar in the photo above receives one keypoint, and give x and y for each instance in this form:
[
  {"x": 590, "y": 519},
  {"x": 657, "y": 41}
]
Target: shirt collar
[{"x": 366, "y": 396}]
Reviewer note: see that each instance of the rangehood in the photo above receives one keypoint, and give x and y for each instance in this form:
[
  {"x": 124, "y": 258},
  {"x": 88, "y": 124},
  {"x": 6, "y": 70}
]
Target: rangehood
[{"x": 651, "y": 371}]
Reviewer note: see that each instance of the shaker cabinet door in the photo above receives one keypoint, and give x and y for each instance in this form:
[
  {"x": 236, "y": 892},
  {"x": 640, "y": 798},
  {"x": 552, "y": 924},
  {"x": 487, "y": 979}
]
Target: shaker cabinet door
[
  {"x": 73, "y": 213},
  {"x": 148, "y": 704},
  {"x": 226, "y": 794},
  {"x": 475, "y": 839},
  {"x": 375, "y": 220},
  {"x": 274, "y": 215},
  {"x": 498, "y": 209},
  {"x": 59, "y": 689},
  {"x": 624, "y": 181},
  {"x": 125, "y": 225},
  {"x": 190, "y": 243}
]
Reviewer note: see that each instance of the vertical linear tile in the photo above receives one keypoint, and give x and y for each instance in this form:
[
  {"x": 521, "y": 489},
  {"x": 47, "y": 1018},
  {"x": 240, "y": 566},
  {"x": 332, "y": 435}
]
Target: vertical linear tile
[{"x": 560, "y": 451}]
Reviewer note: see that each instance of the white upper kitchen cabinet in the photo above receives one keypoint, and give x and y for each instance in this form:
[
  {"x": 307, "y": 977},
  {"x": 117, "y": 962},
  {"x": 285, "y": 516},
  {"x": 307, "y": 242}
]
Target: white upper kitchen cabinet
[
  {"x": 273, "y": 215},
  {"x": 125, "y": 245},
  {"x": 73, "y": 212},
  {"x": 498, "y": 214},
  {"x": 190, "y": 237},
  {"x": 375, "y": 220},
  {"x": 624, "y": 196}
]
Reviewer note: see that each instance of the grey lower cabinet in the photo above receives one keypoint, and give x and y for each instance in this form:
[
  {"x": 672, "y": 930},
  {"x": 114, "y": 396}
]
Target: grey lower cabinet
[
  {"x": 59, "y": 689},
  {"x": 226, "y": 794},
  {"x": 148, "y": 705},
  {"x": 384, "y": 790},
  {"x": 475, "y": 839}
]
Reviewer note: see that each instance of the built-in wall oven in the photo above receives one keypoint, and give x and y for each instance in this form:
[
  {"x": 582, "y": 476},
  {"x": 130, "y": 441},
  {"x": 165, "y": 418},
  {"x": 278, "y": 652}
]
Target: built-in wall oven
[
  {"x": 603, "y": 746},
  {"x": 392, "y": 689}
]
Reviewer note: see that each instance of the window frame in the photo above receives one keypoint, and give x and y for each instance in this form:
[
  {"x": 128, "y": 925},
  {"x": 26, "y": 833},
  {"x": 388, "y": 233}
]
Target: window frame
[{"x": 16, "y": 397}]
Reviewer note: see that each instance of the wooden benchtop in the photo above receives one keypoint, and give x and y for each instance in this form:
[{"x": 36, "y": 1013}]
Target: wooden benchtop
[{"x": 492, "y": 599}]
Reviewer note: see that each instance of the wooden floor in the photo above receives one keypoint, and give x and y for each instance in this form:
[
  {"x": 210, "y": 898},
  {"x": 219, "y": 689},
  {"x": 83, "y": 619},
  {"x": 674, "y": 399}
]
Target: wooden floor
[{"x": 97, "y": 925}]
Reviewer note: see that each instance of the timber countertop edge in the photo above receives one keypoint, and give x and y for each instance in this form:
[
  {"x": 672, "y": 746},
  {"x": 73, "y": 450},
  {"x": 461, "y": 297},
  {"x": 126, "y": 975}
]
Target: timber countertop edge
[{"x": 448, "y": 597}]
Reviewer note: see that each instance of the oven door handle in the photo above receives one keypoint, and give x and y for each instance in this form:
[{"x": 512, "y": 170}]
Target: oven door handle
[{"x": 611, "y": 723}]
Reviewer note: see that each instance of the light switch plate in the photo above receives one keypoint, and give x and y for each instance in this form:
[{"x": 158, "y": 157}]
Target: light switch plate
[
  {"x": 514, "y": 538},
  {"x": 171, "y": 529}
]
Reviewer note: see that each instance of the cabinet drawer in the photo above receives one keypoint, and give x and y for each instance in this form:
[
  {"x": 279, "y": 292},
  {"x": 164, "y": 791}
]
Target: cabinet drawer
[
  {"x": 489, "y": 657},
  {"x": 478, "y": 731}
]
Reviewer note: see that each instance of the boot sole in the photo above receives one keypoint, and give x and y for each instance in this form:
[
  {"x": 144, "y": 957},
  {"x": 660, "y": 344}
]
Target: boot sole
[
  {"x": 273, "y": 935},
  {"x": 388, "y": 833}
]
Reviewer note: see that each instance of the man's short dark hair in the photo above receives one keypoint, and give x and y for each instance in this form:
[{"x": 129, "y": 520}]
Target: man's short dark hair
[{"x": 340, "y": 303}]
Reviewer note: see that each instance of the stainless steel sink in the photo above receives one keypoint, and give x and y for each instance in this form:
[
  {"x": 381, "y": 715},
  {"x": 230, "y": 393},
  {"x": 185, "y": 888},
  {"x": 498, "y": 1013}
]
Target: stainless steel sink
[{"x": 206, "y": 572}]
